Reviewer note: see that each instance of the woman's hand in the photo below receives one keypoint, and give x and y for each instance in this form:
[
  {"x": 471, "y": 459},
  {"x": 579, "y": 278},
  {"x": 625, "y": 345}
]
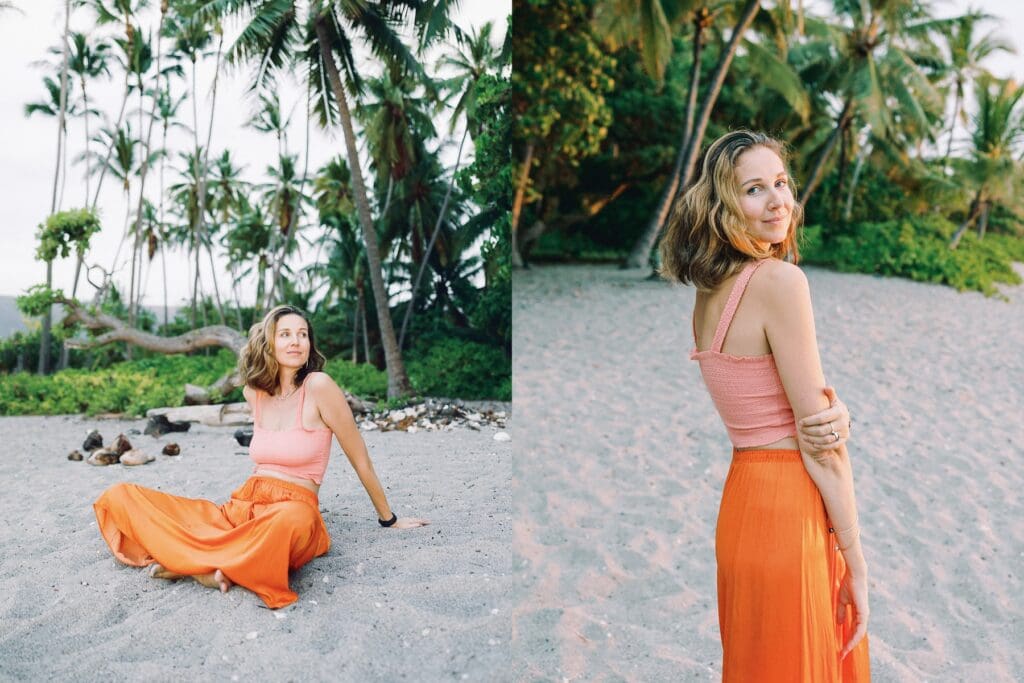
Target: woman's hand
[
  {"x": 408, "y": 523},
  {"x": 853, "y": 594},
  {"x": 815, "y": 433}
]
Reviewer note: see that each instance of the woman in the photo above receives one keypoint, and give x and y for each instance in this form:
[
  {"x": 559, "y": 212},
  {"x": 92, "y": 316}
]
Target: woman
[
  {"x": 792, "y": 580},
  {"x": 272, "y": 523}
]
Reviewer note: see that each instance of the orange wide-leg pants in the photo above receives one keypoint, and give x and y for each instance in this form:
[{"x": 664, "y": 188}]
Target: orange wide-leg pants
[
  {"x": 267, "y": 527},
  {"x": 779, "y": 574}
]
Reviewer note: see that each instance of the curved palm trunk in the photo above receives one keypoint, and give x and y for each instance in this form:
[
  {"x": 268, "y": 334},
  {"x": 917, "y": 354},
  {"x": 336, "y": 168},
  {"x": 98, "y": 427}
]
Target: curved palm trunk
[
  {"x": 517, "y": 204},
  {"x": 861, "y": 157},
  {"x": 818, "y": 172},
  {"x": 398, "y": 379},
  {"x": 975, "y": 209},
  {"x": 672, "y": 187},
  {"x": 641, "y": 252},
  {"x": 430, "y": 244}
]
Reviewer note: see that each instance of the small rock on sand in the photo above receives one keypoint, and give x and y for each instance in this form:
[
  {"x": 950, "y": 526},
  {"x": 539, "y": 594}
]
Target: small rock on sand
[
  {"x": 93, "y": 440},
  {"x": 171, "y": 449},
  {"x": 103, "y": 456},
  {"x": 74, "y": 455},
  {"x": 136, "y": 457}
]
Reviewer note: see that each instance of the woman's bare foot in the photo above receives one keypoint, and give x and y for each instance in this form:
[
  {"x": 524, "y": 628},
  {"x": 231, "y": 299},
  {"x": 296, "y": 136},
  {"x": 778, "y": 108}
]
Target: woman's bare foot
[
  {"x": 158, "y": 571},
  {"x": 215, "y": 579}
]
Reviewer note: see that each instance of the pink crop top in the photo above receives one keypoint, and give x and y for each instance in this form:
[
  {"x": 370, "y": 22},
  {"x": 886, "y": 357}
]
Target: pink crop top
[
  {"x": 297, "y": 451},
  {"x": 746, "y": 390}
]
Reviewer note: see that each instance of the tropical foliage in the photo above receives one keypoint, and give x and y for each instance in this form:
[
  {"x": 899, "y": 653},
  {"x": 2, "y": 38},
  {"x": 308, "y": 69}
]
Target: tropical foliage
[
  {"x": 389, "y": 266},
  {"x": 902, "y": 141}
]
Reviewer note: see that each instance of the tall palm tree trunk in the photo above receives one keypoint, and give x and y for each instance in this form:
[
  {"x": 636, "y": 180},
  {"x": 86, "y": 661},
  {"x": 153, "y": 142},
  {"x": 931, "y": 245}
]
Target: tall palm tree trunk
[
  {"x": 144, "y": 171},
  {"x": 398, "y": 379},
  {"x": 952, "y": 125},
  {"x": 202, "y": 177},
  {"x": 641, "y": 252},
  {"x": 294, "y": 215},
  {"x": 818, "y": 171},
  {"x": 430, "y": 244},
  {"x": 672, "y": 186},
  {"x": 43, "y": 367}
]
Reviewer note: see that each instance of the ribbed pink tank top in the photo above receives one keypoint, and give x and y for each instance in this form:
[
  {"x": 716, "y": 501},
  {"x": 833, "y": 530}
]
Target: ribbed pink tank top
[
  {"x": 746, "y": 390},
  {"x": 299, "y": 452}
]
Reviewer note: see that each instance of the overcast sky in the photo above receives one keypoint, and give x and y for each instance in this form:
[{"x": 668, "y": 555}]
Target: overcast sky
[{"x": 28, "y": 151}]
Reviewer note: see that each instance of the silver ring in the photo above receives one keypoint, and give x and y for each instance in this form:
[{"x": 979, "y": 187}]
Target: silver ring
[{"x": 835, "y": 436}]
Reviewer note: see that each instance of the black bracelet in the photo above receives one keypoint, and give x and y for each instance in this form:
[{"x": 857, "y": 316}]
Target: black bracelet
[{"x": 394, "y": 518}]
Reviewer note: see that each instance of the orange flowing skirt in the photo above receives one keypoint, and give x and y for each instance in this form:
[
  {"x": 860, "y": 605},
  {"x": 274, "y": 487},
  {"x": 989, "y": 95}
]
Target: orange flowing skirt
[
  {"x": 267, "y": 527},
  {"x": 779, "y": 573}
]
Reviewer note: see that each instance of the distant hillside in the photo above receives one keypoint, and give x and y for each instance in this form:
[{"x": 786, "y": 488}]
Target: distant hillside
[{"x": 11, "y": 320}]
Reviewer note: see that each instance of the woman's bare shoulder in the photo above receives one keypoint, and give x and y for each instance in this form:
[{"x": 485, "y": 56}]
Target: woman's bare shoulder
[
  {"x": 320, "y": 381},
  {"x": 777, "y": 281}
]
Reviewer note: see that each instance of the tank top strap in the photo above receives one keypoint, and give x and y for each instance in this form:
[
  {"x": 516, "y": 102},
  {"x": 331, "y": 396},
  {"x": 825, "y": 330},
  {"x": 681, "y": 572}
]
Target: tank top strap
[
  {"x": 257, "y": 395},
  {"x": 302, "y": 400},
  {"x": 731, "y": 304}
]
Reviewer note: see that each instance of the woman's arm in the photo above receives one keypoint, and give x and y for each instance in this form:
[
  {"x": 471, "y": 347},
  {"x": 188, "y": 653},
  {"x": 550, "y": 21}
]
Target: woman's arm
[
  {"x": 789, "y": 325},
  {"x": 336, "y": 414}
]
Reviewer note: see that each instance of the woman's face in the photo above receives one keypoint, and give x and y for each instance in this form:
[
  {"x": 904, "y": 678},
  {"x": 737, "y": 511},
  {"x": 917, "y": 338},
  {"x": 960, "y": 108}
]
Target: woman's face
[
  {"x": 291, "y": 341},
  {"x": 765, "y": 196}
]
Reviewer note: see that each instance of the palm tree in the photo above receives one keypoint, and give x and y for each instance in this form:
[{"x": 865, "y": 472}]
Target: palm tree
[
  {"x": 268, "y": 119},
  {"x": 641, "y": 251},
  {"x": 478, "y": 56},
  {"x": 878, "y": 69},
  {"x": 995, "y": 149},
  {"x": 328, "y": 32},
  {"x": 966, "y": 53},
  {"x": 284, "y": 198}
]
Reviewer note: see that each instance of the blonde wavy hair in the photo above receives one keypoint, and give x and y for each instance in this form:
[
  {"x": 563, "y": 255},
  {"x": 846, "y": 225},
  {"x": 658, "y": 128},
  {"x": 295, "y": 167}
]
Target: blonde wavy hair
[
  {"x": 706, "y": 239},
  {"x": 256, "y": 364}
]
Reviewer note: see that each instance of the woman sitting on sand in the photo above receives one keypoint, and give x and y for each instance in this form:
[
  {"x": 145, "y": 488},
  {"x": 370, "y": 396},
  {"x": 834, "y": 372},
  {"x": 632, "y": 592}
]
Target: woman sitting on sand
[
  {"x": 272, "y": 523},
  {"x": 792, "y": 580}
]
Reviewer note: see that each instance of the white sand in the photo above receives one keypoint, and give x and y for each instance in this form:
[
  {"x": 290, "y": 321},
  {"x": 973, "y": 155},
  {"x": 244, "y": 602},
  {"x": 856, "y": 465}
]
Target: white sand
[
  {"x": 621, "y": 458},
  {"x": 423, "y": 604}
]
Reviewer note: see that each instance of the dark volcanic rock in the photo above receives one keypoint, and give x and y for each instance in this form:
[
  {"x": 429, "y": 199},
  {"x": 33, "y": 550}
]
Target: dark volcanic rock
[
  {"x": 159, "y": 425},
  {"x": 243, "y": 436},
  {"x": 171, "y": 449},
  {"x": 93, "y": 440}
]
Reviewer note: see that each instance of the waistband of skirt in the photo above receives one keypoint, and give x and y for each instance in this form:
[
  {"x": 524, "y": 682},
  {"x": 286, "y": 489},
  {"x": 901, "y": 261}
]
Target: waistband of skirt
[
  {"x": 767, "y": 455},
  {"x": 273, "y": 486}
]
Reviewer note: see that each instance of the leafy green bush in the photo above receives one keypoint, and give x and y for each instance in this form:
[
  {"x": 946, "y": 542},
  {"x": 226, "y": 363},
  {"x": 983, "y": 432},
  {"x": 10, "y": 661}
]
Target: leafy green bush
[
  {"x": 130, "y": 387},
  {"x": 917, "y": 248},
  {"x": 461, "y": 368},
  {"x": 361, "y": 379}
]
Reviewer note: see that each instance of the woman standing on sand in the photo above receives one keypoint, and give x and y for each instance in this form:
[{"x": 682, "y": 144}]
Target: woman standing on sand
[
  {"x": 792, "y": 579},
  {"x": 272, "y": 523}
]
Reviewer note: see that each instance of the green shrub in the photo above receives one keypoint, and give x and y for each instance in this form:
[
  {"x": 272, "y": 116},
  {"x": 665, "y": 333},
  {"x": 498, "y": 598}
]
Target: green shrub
[
  {"x": 129, "y": 387},
  {"x": 459, "y": 368},
  {"x": 361, "y": 379},
  {"x": 917, "y": 248}
]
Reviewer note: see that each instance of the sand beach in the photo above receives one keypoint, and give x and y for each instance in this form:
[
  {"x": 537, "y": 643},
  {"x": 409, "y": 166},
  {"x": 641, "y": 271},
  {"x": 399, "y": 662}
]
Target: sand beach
[
  {"x": 428, "y": 604},
  {"x": 621, "y": 458}
]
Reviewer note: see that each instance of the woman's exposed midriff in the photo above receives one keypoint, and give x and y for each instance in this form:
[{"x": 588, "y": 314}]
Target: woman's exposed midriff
[
  {"x": 304, "y": 483},
  {"x": 787, "y": 443}
]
